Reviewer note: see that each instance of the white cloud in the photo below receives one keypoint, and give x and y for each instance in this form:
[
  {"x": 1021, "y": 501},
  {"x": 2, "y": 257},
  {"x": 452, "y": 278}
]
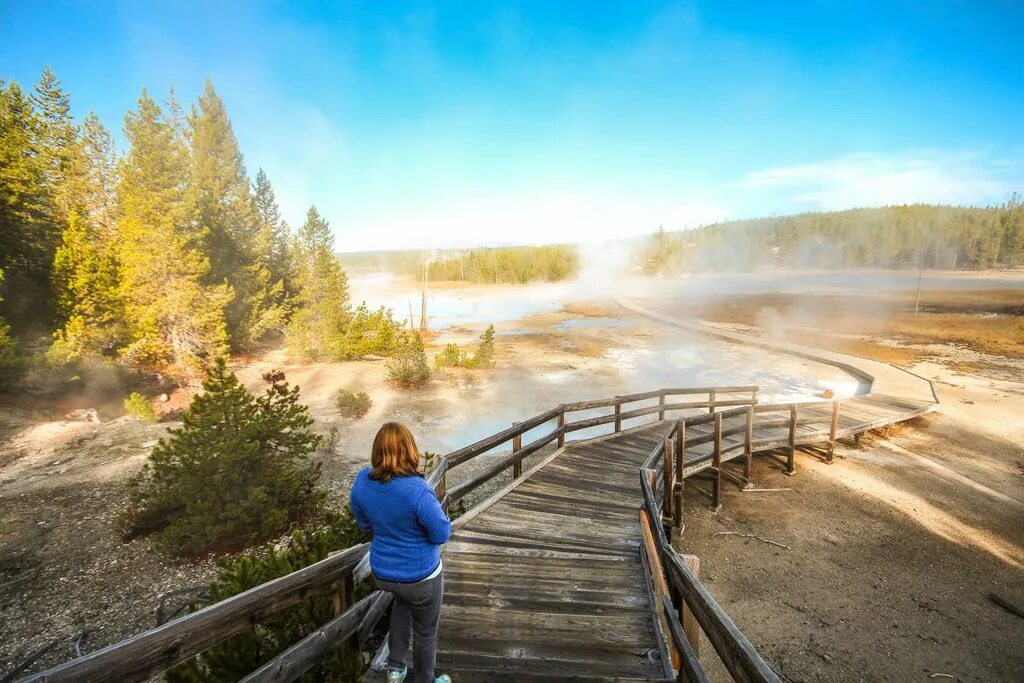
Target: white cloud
[{"x": 868, "y": 179}]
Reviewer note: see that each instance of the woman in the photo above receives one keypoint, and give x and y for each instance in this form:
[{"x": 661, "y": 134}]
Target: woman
[{"x": 392, "y": 501}]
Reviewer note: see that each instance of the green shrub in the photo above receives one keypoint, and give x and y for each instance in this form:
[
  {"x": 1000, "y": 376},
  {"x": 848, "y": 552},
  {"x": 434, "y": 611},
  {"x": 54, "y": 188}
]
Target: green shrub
[
  {"x": 234, "y": 474},
  {"x": 484, "y": 356},
  {"x": 242, "y": 654},
  {"x": 454, "y": 357},
  {"x": 352, "y": 403},
  {"x": 408, "y": 366},
  {"x": 139, "y": 406},
  {"x": 451, "y": 357},
  {"x": 11, "y": 363},
  {"x": 370, "y": 332}
]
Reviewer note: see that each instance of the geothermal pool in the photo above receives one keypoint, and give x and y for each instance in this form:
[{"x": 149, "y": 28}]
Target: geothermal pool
[{"x": 542, "y": 365}]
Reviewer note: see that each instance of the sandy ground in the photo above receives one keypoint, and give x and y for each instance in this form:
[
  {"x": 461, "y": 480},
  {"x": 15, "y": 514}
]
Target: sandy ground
[
  {"x": 941, "y": 497},
  {"x": 891, "y": 552}
]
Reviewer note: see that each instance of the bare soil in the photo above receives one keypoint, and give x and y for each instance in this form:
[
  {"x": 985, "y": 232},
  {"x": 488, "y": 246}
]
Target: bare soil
[{"x": 892, "y": 552}]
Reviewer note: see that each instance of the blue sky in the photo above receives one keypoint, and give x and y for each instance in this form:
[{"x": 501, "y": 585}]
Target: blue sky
[{"x": 415, "y": 125}]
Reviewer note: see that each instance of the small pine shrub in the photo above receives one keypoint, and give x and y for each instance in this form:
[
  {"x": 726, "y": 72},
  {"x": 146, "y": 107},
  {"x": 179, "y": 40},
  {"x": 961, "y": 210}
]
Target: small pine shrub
[
  {"x": 242, "y": 654},
  {"x": 139, "y": 406},
  {"x": 234, "y": 474},
  {"x": 11, "y": 363},
  {"x": 484, "y": 356},
  {"x": 408, "y": 366},
  {"x": 352, "y": 403},
  {"x": 454, "y": 357},
  {"x": 451, "y": 357}
]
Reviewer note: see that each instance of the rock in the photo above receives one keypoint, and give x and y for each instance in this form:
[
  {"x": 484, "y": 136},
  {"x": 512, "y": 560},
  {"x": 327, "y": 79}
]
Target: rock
[
  {"x": 150, "y": 444},
  {"x": 164, "y": 398},
  {"x": 83, "y": 415}
]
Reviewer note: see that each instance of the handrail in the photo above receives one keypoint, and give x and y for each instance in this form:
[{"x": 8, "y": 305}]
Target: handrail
[
  {"x": 737, "y": 653},
  {"x": 159, "y": 649}
]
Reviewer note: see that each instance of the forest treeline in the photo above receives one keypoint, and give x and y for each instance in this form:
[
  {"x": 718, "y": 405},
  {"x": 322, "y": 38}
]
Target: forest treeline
[
  {"x": 515, "y": 265},
  {"x": 941, "y": 237},
  {"x": 161, "y": 258}
]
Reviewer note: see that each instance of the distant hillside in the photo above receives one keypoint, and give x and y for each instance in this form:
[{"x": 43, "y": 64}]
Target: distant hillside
[
  {"x": 951, "y": 237},
  {"x": 946, "y": 237}
]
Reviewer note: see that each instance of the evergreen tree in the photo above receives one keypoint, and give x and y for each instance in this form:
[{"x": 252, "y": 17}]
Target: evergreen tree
[
  {"x": 408, "y": 364},
  {"x": 274, "y": 239},
  {"x": 224, "y": 211},
  {"x": 1013, "y": 231},
  {"x": 235, "y": 473},
  {"x": 176, "y": 320},
  {"x": 240, "y": 655},
  {"x": 317, "y": 329},
  {"x": 29, "y": 234},
  {"x": 97, "y": 194},
  {"x": 10, "y": 363},
  {"x": 58, "y": 145},
  {"x": 484, "y": 356},
  {"x": 86, "y": 280}
]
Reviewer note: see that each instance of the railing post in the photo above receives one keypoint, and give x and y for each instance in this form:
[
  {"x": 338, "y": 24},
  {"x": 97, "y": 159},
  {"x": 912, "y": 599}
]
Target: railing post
[
  {"x": 791, "y": 458},
  {"x": 691, "y": 627},
  {"x": 442, "y": 486},
  {"x": 680, "y": 463},
  {"x": 748, "y": 446},
  {"x": 344, "y": 598},
  {"x": 668, "y": 477},
  {"x": 716, "y": 484},
  {"x": 561, "y": 428},
  {"x": 755, "y": 397},
  {"x": 711, "y": 399},
  {"x": 833, "y": 429},
  {"x": 517, "y": 443},
  {"x": 661, "y": 402},
  {"x": 618, "y": 415}
]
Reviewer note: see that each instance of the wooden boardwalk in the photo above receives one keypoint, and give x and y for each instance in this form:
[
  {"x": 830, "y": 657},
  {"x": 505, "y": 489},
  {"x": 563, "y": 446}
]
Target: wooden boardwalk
[{"x": 547, "y": 582}]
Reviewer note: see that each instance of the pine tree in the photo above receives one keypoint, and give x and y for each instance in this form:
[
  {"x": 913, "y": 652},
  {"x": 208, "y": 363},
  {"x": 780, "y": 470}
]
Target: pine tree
[
  {"x": 58, "y": 145},
  {"x": 176, "y": 320},
  {"x": 89, "y": 299},
  {"x": 274, "y": 240},
  {"x": 234, "y": 474},
  {"x": 28, "y": 233},
  {"x": 10, "y": 362},
  {"x": 224, "y": 210},
  {"x": 233, "y": 659},
  {"x": 408, "y": 365},
  {"x": 317, "y": 329},
  {"x": 484, "y": 356},
  {"x": 86, "y": 278},
  {"x": 98, "y": 177}
]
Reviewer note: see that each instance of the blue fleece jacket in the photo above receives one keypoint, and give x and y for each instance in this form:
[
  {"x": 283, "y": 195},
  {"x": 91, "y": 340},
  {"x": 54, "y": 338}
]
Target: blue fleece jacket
[{"x": 407, "y": 523}]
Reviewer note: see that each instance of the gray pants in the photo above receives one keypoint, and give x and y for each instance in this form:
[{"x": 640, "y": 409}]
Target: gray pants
[{"x": 416, "y": 610}]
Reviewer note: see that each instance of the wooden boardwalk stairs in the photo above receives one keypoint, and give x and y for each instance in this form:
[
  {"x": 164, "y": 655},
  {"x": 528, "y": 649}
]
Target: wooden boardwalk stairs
[{"x": 561, "y": 567}]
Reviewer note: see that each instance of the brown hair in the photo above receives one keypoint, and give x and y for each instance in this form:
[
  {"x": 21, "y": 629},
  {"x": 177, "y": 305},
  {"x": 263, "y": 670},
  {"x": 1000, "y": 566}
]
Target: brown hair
[{"x": 394, "y": 452}]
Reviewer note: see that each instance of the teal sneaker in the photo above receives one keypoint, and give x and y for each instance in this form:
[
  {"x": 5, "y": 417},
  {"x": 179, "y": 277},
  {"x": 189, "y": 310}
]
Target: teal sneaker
[
  {"x": 443, "y": 678},
  {"x": 397, "y": 676}
]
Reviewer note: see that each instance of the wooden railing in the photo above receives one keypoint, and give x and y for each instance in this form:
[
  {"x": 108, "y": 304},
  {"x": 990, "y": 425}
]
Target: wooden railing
[
  {"x": 149, "y": 653},
  {"x": 681, "y": 594}
]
